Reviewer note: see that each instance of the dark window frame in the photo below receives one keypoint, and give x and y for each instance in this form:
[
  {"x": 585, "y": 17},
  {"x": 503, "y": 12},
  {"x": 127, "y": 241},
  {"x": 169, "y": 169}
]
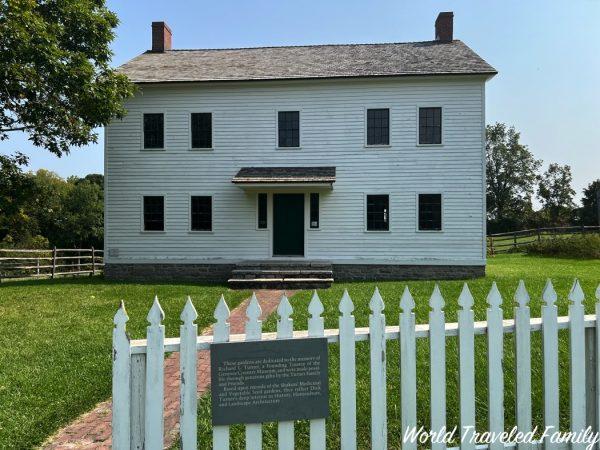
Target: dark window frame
[
  {"x": 146, "y": 220},
  {"x": 432, "y": 219},
  {"x": 195, "y": 221},
  {"x": 373, "y": 223},
  {"x": 160, "y": 140},
  {"x": 262, "y": 223},
  {"x": 432, "y": 132},
  {"x": 282, "y": 141},
  {"x": 208, "y": 139},
  {"x": 314, "y": 211},
  {"x": 377, "y": 129}
]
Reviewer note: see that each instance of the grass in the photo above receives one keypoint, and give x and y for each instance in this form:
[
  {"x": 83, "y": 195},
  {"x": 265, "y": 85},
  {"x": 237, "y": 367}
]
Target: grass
[
  {"x": 56, "y": 343},
  {"x": 506, "y": 270}
]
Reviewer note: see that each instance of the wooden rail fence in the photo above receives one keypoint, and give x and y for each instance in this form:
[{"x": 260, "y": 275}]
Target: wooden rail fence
[
  {"x": 515, "y": 240},
  {"x": 138, "y": 384},
  {"x": 29, "y": 263}
]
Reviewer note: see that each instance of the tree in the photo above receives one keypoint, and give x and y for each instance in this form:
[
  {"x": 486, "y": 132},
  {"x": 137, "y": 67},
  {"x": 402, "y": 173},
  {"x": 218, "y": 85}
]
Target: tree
[
  {"x": 16, "y": 187},
  {"x": 57, "y": 84},
  {"x": 511, "y": 172},
  {"x": 83, "y": 212},
  {"x": 556, "y": 194},
  {"x": 590, "y": 209}
]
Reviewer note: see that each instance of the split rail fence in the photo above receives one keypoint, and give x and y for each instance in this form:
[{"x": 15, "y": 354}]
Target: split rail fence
[
  {"x": 513, "y": 240},
  {"x": 28, "y": 263},
  {"x": 138, "y": 379}
]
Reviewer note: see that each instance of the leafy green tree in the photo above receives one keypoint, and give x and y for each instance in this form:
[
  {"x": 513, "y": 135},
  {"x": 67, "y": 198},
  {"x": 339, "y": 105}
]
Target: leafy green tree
[
  {"x": 590, "y": 212},
  {"x": 57, "y": 83},
  {"x": 511, "y": 171},
  {"x": 16, "y": 187},
  {"x": 556, "y": 194},
  {"x": 83, "y": 212}
]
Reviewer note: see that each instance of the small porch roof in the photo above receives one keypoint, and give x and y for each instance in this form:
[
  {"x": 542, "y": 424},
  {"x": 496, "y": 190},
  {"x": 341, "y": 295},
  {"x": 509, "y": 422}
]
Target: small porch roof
[{"x": 285, "y": 177}]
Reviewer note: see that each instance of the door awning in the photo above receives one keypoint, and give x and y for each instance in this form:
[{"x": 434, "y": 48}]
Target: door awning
[{"x": 285, "y": 177}]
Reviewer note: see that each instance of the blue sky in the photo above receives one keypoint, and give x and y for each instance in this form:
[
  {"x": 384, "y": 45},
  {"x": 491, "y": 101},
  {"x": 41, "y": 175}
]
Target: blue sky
[{"x": 546, "y": 53}]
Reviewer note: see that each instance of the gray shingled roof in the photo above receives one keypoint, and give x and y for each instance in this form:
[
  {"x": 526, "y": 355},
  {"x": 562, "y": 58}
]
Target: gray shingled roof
[
  {"x": 285, "y": 175},
  {"x": 306, "y": 62}
]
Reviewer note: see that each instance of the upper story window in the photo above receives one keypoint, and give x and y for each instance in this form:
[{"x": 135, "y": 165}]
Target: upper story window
[
  {"x": 154, "y": 130},
  {"x": 430, "y": 212},
  {"x": 262, "y": 211},
  {"x": 378, "y": 212},
  {"x": 288, "y": 126},
  {"x": 201, "y": 124},
  {"x": 314, "y": 210},
  {"x": 154, "y": 213},
  {"x": 378, "y": 126},
  {"x": 430, "y": 125},
  {"x": 201, "y": 213}
]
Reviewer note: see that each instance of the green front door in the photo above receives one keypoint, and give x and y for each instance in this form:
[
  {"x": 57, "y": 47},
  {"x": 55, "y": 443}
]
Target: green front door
[{"x": 288, "y": 224}]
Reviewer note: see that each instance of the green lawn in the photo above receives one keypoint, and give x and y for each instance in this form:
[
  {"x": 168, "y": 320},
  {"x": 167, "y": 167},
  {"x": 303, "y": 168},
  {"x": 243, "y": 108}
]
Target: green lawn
[
  {"x": 506, "y": 270},
  {"x": 56, "y": 343}
]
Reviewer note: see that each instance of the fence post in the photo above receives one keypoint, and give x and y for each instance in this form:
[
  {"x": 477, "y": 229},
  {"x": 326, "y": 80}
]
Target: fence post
[
  {"x": 590, "y": 377},
  {"x": 515, "y": 240},
  {"x": 93, "y": 261},
  {"x": 492, "y": 245},
  {"x": 539, "y": 234},
  {"x": 53, "y": 261},
  {"x": 37, "y": 264}
]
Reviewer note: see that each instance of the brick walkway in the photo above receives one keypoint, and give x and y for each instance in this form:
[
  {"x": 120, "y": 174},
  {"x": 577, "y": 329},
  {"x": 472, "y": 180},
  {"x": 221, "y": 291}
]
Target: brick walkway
[{"x": 92, "y": 430}]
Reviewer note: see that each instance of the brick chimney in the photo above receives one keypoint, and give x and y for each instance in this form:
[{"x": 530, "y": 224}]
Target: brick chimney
[
  {"x": 161, "y": 37},
  {"x": 443, "y": 27}
]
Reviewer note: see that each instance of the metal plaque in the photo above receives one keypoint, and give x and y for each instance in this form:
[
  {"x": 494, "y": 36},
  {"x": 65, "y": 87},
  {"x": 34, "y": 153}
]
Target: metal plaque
[{"x": 267, "y": 381}]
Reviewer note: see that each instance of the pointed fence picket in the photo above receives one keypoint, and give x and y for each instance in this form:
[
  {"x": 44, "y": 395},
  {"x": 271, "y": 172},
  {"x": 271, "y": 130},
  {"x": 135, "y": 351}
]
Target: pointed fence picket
[{"x": 138, "y": 378}]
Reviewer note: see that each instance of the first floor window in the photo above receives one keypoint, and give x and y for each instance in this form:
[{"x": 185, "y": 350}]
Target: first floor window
[
  {"x": 154, "y": 213},
  {"x": 201, "y": 130},
  {"x": 262, "y": 211},
  {"x": 378, "y": 212},
  {"x": 201, "y": 213},
  {"x": 154, "y": 130},
  {"x": 314, "y": 210},
  {"x": 430, "y": 212},
  {"x": 378, "y": 126},
  {"x": 430, "y": 125},
  {"x": 288, "y": 125}
]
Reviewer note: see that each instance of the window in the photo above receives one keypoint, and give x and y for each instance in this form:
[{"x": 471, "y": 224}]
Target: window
[
  {"x": 262, "y": 211},
  {"x": 154, "y": 213},
  {"x": 378, "y": 212},
  {"x": 288, "y": 124},
  {"x": 201, "y": 213},
  {"x": 430, "y": 125},
  {"x": 154, "y": 130},
  {"x": 378, "y": 126},
  {"x": 314, "y": 210},
  {"x": 430, "y": 212},
  {"x": 201, "y": 124}
]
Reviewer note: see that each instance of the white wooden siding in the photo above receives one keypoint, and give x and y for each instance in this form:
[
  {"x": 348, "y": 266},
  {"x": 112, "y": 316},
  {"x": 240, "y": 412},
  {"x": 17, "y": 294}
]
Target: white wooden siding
[{"x": 333, "y": 115}]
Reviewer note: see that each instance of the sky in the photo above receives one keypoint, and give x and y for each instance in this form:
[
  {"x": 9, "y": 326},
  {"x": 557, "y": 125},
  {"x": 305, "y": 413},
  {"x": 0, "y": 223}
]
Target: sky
[{"x": 546, "y": 53}]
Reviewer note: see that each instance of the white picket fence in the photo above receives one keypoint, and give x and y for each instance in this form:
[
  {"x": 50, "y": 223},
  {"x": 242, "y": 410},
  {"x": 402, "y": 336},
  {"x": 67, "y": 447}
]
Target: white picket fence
[{"x": 138, "y": 369}]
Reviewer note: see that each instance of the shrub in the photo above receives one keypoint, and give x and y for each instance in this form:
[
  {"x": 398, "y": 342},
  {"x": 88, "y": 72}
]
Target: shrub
[{"x": 573, "y": 246}]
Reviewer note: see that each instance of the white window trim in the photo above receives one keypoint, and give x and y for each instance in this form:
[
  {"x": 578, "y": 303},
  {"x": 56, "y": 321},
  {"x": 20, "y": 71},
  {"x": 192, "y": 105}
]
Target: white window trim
[
  {"x": 430, "y": 105},
  {"x": 365, "y": 195},
  {"x": 141, "y": 201},
  {"x": 212, "y": 212},
  {"x": 443, "y": 198},
  {"x": 153, "y": 111},
  {"x": 365, "y": 126},
  {"x": 307, "y": 211},
  {"x": 268, "y": 227},
  {"x": 290, "y": 109},
  {"x": 212, "y": 131}
]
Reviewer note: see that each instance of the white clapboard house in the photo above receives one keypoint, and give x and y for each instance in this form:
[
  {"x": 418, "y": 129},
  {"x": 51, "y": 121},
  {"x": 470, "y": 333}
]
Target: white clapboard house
[{"x": 303, "y": 163}]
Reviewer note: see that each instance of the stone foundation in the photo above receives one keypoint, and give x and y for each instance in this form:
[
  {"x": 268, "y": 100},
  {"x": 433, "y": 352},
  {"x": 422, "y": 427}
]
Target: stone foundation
[
  {"x": 217, "y": 273},
  {"x": 220, "y": 273},
  {"x": 393, "y": 272}
]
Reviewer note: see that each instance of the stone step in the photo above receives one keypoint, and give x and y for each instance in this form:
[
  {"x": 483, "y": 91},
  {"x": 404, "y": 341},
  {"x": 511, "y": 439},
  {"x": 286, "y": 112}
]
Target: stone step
[
  {"x": 281, "y": 273},
  {"x": 280, "y": 283}
]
